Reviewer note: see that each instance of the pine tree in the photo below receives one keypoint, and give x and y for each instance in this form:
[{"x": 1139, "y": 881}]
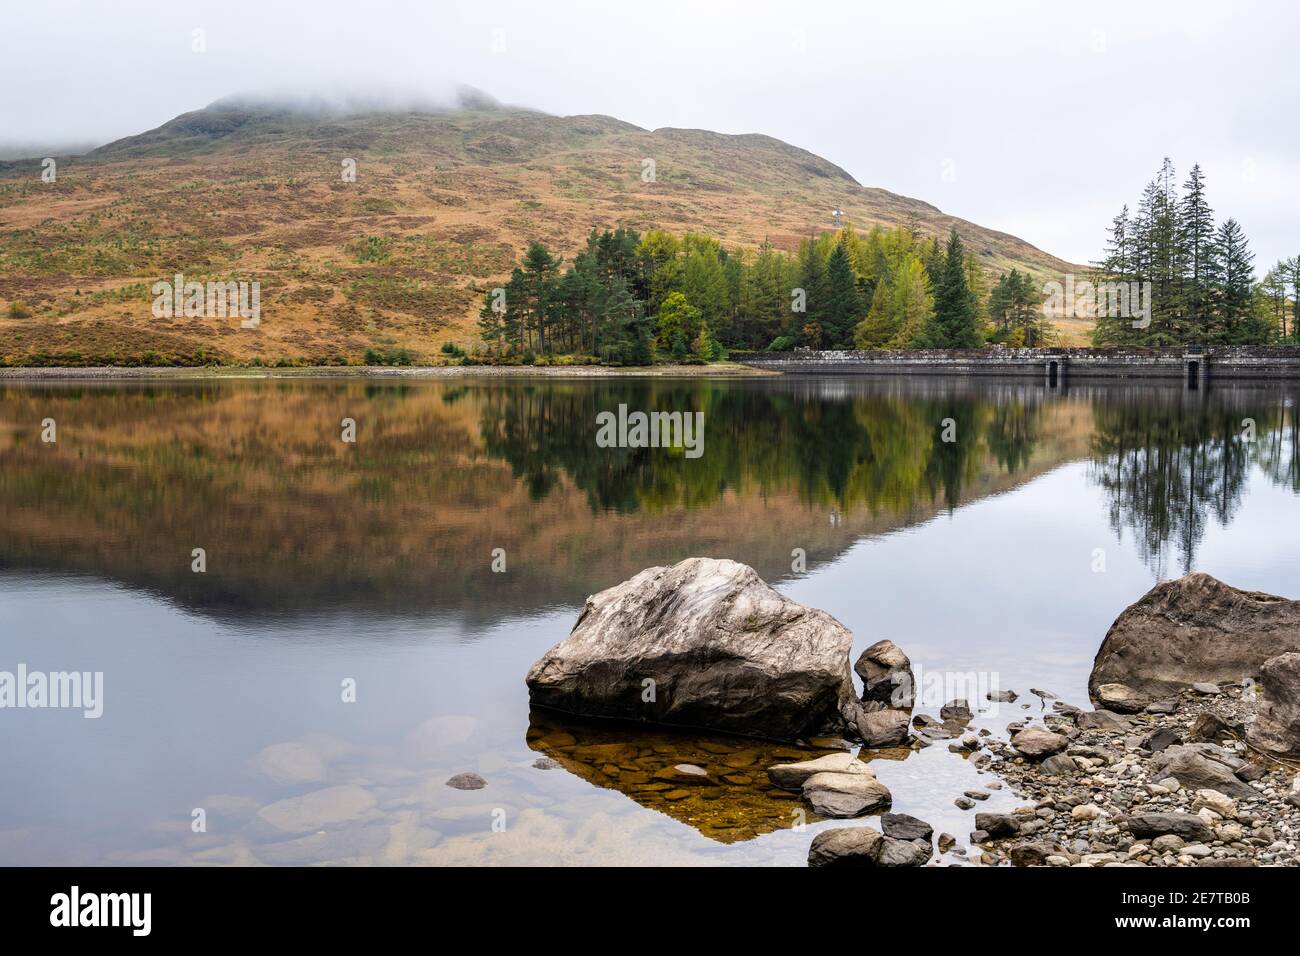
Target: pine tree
[
  {"x": 812, "y": 279},
  {"x": 954, "y": 325},
  {"x": 540, "y": 275},
  {"x": 1119, "y": 265},
  {"x": 1195, "y": 240},
  {"x": 1293, "y": 270},
  {"x": 1234, "y": 284},
  {"x": 842, "y": 307}
]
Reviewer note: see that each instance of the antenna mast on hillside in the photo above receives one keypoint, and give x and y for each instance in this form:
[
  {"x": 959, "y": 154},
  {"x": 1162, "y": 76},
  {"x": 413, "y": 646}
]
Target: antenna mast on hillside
[{"x": 837, "y": 217}]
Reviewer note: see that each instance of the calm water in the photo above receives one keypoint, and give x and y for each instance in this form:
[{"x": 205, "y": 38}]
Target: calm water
[{"x": 372, "y": 564}]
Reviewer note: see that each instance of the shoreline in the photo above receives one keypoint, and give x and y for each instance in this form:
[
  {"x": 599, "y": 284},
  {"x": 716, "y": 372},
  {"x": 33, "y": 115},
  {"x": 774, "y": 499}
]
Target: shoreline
[{"x": 206, "y": 372}]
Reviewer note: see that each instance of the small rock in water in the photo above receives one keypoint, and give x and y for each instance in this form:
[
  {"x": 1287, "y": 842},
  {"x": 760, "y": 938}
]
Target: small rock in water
[
  {"x": 883, "y": 728},
  {"x": 886, "y": 675},
  {"x": 845, "y": 794},
  {"x": 467, "y": 781},
  {"x": 946, "y": 842},
  {"x": 846, "y": 846},
  {"x": 958, "y": 709},
  {"x": 1045, "y": 694},
  {"x": 546, "y": 763},
  {"x": 964, "y": 803},
  {"x": 977, "y": 794},
  {"x": 685, "y": 773},
  {"x": 1002, "y": 696},
  {"x": 904, "y": 852},
  {"x": 791, "y": 776},
  {"x": 901, "y": 826}
]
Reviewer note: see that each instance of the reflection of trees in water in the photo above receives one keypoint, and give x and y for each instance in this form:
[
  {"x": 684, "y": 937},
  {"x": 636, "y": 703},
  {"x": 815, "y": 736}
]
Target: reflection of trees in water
[
  {"x": 840, "y": 449},
  {"x": 1169, "y": 461},
  {"x": 1279, "y": 451}
]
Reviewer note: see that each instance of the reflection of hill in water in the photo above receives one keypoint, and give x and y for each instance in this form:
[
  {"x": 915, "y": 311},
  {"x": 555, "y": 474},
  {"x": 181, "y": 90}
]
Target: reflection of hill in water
[{"x": 296, "y": 522}]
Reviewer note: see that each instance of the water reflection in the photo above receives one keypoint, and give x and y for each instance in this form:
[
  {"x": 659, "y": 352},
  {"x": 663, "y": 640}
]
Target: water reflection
[
  {"x": 1171, "y": 461},
  {"x": 297, "y": 522},
  {"x": 374, "y": 561}
]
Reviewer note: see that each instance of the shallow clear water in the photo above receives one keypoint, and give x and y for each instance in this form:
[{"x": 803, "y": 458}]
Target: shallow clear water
[{"x": 372, "y": 563}]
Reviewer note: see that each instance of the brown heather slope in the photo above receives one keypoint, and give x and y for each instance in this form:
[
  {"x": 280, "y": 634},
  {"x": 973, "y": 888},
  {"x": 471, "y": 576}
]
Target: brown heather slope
[{"x": 255, "y": 193}]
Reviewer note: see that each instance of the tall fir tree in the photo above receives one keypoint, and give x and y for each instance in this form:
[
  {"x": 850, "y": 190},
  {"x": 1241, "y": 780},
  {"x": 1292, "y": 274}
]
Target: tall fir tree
[
  {"x": 1196, "y": 252},
  {"x": 842, "y": 307},
  {"x": 1234, "y": 286},
  {"x": 955, "y": 324}
]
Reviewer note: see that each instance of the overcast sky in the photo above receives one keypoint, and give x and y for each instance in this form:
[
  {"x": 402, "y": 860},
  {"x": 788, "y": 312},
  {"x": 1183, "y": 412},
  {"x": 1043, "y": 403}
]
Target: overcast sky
[{"x": 1040, "y": 119}]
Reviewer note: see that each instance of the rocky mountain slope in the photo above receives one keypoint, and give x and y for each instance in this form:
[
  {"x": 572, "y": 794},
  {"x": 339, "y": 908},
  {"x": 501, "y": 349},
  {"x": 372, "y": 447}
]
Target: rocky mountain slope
[{"x": 442, "y": 204}]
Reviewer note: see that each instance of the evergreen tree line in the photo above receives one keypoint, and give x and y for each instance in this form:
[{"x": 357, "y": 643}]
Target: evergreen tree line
[
  {"x": 633, "y": 299},
  {"x": 1202, "y": 279}
]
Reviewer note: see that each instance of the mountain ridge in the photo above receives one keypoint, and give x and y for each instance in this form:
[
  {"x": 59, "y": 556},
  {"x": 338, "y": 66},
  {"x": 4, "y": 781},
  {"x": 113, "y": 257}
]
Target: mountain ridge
[{"x": 449, "y": 197}]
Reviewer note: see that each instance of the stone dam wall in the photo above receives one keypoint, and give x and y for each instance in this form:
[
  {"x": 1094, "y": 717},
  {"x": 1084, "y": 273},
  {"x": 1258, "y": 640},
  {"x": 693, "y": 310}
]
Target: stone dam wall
[{"x": 1190, "y": 365}]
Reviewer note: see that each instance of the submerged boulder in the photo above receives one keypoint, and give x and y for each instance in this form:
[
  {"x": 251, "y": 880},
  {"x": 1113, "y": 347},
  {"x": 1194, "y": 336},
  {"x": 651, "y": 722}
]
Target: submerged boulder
[
  {"x": 1277, "y": 724},
  {"x": 1192, "y": 630},
  {"x": 705, "y": 643}
]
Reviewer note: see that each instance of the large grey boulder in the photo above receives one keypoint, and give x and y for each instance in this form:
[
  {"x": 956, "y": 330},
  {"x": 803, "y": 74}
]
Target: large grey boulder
[
  {"x": 705, "y": 643},
  {"x": 1193, "y": 630},
  {"x": 1277, "y": 721},
  {"x": 886, "y": 674}
]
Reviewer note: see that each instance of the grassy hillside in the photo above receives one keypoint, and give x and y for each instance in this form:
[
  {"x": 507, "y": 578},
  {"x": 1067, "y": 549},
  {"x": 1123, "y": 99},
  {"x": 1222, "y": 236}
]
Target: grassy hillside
[{"x": 442, "y": 205}]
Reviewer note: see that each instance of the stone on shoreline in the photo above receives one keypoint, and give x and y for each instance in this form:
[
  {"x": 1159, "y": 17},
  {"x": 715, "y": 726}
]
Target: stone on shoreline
[
  {"x": 1194, "y": 630},
  {"x": 1277, "y": 724},
  {"x": 1201, "y": 767},
  {"x": 1035, "y": 743},
  {"x": 1121, "y": 698},
  {"x": 1186, "y": 826},
  {"x": 1103, "y": 720}
]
